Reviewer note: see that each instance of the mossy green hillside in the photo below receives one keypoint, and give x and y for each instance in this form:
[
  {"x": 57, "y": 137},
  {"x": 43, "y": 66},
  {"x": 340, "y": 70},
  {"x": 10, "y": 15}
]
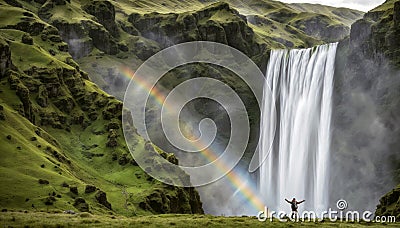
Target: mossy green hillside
[{"x": 62, "y": 144}]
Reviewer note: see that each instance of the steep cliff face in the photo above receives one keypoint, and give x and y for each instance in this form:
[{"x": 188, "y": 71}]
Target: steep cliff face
[
  {"x": 218, "y": 23},
  {"x": 367, "y": 127},
  {"x": 62, "y": 144}
]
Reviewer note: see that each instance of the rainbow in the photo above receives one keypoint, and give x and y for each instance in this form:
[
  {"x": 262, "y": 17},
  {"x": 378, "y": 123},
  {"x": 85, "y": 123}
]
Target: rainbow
[{"x": 234, "y": 177}]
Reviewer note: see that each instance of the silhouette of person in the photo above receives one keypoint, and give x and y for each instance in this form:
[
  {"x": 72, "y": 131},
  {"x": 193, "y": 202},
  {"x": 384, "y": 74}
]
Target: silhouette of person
[{"x": 294, "y": 205}]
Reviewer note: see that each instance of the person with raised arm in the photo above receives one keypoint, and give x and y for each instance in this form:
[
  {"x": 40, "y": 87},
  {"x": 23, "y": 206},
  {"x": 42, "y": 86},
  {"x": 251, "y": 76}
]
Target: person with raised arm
[{"x": 294, "y": 205}]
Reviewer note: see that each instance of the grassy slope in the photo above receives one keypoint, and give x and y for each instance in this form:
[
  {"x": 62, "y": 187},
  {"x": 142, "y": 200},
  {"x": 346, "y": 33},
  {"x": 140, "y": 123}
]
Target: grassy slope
[
  {"x": 61, "y": 152},
  {"x": 17, "y": 219},
  {"x": 21, "y": 168}
]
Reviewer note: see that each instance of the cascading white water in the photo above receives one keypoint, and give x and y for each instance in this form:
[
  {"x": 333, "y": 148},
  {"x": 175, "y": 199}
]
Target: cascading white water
[{"x": 297, "y": 165}]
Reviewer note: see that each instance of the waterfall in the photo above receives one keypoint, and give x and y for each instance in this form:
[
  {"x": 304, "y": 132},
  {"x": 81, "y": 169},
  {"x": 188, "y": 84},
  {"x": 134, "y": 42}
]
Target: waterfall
[{"x": 300, "y": 105}]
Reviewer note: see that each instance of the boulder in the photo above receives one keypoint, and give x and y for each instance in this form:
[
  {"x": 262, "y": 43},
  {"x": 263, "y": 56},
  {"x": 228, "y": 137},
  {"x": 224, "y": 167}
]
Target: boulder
[
  {"x": 81, "y": 204},
  {"x": 27, "y": 39},
  {"x": 73, "y": 189},
  {"x": 42, "y": 181},
  {"x": 90, "y": 188},
  {"x": 101, "y": 198}
]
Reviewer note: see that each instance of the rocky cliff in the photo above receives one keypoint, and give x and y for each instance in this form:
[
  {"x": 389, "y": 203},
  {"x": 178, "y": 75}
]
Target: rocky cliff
[{"x": 366, "y": 124}]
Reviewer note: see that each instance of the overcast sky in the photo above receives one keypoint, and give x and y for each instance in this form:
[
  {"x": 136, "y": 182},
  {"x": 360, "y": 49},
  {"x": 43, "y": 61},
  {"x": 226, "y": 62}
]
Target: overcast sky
[{"x": 363, "y": 5}]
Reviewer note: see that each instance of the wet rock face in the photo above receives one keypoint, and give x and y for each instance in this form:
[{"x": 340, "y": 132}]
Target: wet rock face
[
  {"x": 77, "y": 38},
  {"x": 82, "y": 37},
  {"x": 360, "y": 31},
  {"x": 367, "y": 89},
  {"x": 379, "y": 33},
  {"x": 101, "y": 38}
]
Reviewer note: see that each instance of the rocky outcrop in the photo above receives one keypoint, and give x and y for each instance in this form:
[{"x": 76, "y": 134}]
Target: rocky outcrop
[
  {"x": 321, "y": 28},
  {"x": 27, "y": 39},
  {"x": 185, "y": 201},
  {"x": 77, "y": 38},
  {"x": 90, "y": 188},
  {"x": 389, "y": 204},
  {"x": 360, "y": 31},
  {"x": 102, "y": 39},
  {"x": 28, "y": 24},
  {"x": 83, "y": 35},
  {"x": 104, "y": 11},
  {"x": 101, "y": 198},
  {"x": 173, "y": 28},
  {"x": 44, "y": 10},
  {"x": 380, "y": 30},
  {"x": 81, "y": 204}
]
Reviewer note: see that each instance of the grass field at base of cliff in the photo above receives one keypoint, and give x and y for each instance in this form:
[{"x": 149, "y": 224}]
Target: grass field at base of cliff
[{"x": 43, "y": 219}]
